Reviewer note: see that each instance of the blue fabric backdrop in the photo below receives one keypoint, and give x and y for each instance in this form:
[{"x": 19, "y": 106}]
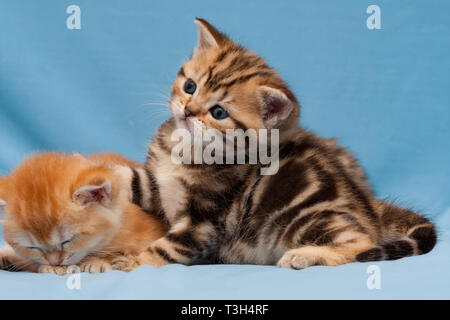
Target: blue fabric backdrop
[{"x": 385, "y": 93}]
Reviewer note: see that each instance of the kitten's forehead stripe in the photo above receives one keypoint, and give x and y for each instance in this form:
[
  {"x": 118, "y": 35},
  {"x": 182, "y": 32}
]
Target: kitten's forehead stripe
[
  {"x": 224, "y": 95},
  {"x": 55, "y": 236},
  {"x": 241, "y": 79},
  {"x": 210, "y": 71},
  {"x": 221, "y": 56},
  {"x": 236, "y": 68}
]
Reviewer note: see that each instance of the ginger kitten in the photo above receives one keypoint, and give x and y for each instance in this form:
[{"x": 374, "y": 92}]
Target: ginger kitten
[
  {"x": 63, "y": 210},
  {"x": 317, "y": 209}
]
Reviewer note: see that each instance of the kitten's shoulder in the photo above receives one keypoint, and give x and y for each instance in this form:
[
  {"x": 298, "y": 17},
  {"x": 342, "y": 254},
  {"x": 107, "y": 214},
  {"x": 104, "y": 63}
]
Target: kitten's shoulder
[{"x": 329, "y": 150}]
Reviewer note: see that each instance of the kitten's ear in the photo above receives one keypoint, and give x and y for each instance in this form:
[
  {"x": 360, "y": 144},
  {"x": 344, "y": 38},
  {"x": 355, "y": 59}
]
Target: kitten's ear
[
  {"x": 82, "y": 158},
  {"x": 79, "y": 156},
  {"x": 91, "y": 194},
  {"x": 208, "y": 36},
  {"x": 2, "y": 209},
  {"x": 275, "y": 105}
]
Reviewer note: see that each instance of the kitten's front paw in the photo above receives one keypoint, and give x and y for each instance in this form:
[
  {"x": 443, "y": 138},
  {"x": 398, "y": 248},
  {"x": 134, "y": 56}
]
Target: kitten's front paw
[
  {"x": 46, "y": 268},
  {"x": 296, "y": 259},
  {"x": 95, "y": 265},
  {"x": 125, "y": 262}
]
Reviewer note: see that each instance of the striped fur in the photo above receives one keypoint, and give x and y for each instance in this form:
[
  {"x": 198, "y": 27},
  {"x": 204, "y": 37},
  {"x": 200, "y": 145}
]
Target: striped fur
[
  {"x": 49, "y": 225},
  {"x": 318, "y": 209}
]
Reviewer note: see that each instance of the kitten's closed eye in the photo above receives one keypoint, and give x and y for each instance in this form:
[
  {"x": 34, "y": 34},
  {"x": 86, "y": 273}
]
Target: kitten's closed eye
[
  {"x": 62, "y": 245},
  {"x": 66, "y": 243}
]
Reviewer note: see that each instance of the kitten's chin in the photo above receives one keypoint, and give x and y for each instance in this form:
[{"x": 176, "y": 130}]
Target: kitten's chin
[
  {"x": 182, "y": 123},
  {"x": 187, "y": 124}
]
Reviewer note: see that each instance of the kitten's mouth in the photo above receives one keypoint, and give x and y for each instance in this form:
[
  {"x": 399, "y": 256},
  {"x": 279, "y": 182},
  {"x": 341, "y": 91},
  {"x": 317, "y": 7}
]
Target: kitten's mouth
[
  {"x": 182, "y": 123},
  {"x": 180, "y": 118},
  {"x": 188, "y": 123}
]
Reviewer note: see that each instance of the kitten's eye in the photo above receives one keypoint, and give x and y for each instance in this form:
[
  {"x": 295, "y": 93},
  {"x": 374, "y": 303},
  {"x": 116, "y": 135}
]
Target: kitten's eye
[
  {"x": 35, "y": 249},
  {"x": 190, "y": 86},
  {"x": 218, "y": 112},
  {"x": 66, "y": 243}
]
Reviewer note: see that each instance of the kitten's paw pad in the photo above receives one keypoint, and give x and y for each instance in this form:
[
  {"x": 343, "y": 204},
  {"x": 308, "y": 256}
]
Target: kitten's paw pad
[
  {"x": 46, "y": 268},
  {"x": 296, "y": 260},
  {"x": 125, "y": 263},
  {"x": 96, "y": 266}
]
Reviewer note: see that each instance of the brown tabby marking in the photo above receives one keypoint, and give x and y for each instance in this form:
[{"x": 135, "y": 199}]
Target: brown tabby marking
[{"x": 317, "y": 209}]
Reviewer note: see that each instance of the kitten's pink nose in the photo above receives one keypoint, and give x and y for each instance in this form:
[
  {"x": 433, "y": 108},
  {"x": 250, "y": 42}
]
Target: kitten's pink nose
[
  {"x": 54, "y": 258},
  {"x": 188, "y": 111}
]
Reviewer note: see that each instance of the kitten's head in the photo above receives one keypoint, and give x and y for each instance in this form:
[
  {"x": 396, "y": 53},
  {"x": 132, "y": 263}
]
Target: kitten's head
[
  {"x": 224, "y": 86},
  {"x": 60, "y": 208}
]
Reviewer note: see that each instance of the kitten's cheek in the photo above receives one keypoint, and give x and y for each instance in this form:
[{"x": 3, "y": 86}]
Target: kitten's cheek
[
  {"x": 39, "y": 260},
  {"x": 72, "y": 259},
  {"x": 33, "y": 257},
  {"x": 178, "y": 112}
]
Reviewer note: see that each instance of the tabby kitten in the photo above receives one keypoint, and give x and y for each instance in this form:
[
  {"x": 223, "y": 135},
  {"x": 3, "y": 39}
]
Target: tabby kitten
[
  {"x": 318, "y": 209},
  {"x": 63, "y": 210}
]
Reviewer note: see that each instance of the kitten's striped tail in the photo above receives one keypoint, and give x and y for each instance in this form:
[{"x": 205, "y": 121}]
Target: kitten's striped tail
[{"x": 404, "y": 233}]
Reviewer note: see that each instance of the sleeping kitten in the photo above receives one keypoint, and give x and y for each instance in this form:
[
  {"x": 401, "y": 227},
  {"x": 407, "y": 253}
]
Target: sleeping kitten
[
  {"x": 318, "y": 209},
  {"x": 63, "y": 210}
]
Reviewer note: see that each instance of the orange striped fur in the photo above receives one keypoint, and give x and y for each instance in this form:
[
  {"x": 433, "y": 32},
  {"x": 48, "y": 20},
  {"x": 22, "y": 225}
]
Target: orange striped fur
[{"x": 41, "y": 213}]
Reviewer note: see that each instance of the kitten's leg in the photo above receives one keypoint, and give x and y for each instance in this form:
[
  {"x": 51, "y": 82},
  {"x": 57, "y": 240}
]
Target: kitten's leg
[
  {"x": 328, "y": 238},
  {"x": 11, "y": 261},
  {"x": 183, "y": 244},
  {"x": 325, "y": 237},
  {"x": 95, "y": 265},
  {"x": 341, "y": 251},
  {"x": 131, "y": 262},
  {"x": 125, "y": 262},
  {"x": 176, "y": 247},
  {"x": 149, "y": 256}
]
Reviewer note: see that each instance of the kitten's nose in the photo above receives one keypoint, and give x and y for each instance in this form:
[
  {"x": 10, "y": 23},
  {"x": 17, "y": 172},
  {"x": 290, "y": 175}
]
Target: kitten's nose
[
  {"x": 54, "y": 258},
  {"x": 188, "y": 111}
]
